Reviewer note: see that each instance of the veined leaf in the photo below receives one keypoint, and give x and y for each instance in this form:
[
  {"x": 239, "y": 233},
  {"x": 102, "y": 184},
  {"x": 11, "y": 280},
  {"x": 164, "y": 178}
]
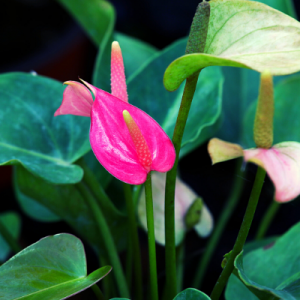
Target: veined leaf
[
  {"x": 243, "y": 34},
  {"x": 54, "y": 268}
]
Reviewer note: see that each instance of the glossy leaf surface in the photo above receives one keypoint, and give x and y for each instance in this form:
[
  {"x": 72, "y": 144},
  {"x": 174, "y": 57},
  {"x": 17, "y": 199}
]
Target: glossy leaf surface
[
  {"x": 30, "y": 135},
  {"x": 12, "y": 222},
  {"x": 94, "y": 16},
  {"x": 163, "y": 106},
  {"x": 53, "y": 268},
  {"x": 272, "y": 271},
  {"x": 241, "y": 89},
  {"x": 271, "y": 42},
  {"x": 191, "y": 294},
  {"x": 66, "y": 202}
]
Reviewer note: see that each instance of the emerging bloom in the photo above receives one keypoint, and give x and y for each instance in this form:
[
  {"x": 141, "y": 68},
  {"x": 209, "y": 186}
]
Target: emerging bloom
[
  {"x": 190, "y": 211},
  {"x": 281, "y": 162},
  {"x": 125, "y": 140}
]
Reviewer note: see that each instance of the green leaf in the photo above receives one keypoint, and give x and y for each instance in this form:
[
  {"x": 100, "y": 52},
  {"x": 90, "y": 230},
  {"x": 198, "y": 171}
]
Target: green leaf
[
  {"x": 95, "y": 16},
  {"x": 287, "y": 103},
  {"x": 285, "y": 6},
  {"x": 66, "y": 202},
  {"x": 12, "y": 222},
  {"x": 135, "y": 54},
  {"x": 146, "y": 91},
  {"x": 33, "y": 209},
  {"x": 191, "y": 294},
  {"x": 271, "y": 42},
  {"x": 241, "y": 89},
  {"x": 30, "y": 134},
  {"x": 273, "y": 272},
  {"x": 54, "y": 268}
]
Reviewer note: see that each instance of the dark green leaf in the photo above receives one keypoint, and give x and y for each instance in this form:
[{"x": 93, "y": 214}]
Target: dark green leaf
[
  {"x": 135, "y": 54},
  {"x": 95, "y": 16},
  {"x": 12, "y": 222},
  {"x": 146, "y": 91},
  {"x": 191, "y": 294},
  {"x": 30, "y": 134},
  {"x": 54, "y": 268},
  {"x": 287, "y": 103},
  {"x": 273, "y": 272},
  {"x": 66, "y": 202}
]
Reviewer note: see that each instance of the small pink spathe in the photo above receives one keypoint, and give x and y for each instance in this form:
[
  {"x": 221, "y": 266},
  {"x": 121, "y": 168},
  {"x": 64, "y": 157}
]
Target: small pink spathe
[
  {"x": 282, "y": 163},
  {"x": 110, "y": 138}
]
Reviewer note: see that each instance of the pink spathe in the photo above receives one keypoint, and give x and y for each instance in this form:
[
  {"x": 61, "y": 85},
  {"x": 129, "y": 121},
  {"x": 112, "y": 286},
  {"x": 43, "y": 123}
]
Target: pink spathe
[
  {"x": 282, "y": 163},
  {"x": 125, "y": 140}
]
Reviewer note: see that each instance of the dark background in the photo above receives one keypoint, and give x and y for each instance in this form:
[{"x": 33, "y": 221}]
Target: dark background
[{"x": 39, "y": 35}]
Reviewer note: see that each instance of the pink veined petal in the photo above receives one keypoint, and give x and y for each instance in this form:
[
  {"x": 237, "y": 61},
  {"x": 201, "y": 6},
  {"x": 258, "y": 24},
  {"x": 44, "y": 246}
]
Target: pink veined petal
[
  {"x": 113, "y": 146},
  {"x": 282, "y": 163},
  {"x": 77, "y": 100},
  {"x": 118, "y": 80}
]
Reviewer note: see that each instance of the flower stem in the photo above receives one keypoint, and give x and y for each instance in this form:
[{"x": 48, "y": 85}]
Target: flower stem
[
  {"x": 97, "y": 292},
  {"x": 220, "y": 226},
  {"x": 267, "y": 220},
  {"x": 107, "y": 238},
  {"x": 151, "y": 238},
  {"x": 10, "y": 240},
  {"x": 170, "y": 256},
  {"x": 134, "y": 242},
  {"x": 242, "y": 236}
]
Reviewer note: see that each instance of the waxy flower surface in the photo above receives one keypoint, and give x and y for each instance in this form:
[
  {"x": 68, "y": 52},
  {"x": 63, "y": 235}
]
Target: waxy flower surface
[
  {"x": 281, "y": 162},
  {"x": 125, "y": 140}
]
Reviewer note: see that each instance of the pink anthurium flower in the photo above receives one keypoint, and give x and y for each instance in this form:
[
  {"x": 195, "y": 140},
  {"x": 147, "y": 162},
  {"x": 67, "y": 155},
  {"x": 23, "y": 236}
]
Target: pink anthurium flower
[
  {"x": 281, "y": 162},
  {"x": 125, "y": 140}
]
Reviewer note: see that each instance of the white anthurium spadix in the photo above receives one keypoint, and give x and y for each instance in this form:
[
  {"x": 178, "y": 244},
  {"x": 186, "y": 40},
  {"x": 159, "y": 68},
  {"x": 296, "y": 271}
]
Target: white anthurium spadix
[{"x": 190, "y": 210}]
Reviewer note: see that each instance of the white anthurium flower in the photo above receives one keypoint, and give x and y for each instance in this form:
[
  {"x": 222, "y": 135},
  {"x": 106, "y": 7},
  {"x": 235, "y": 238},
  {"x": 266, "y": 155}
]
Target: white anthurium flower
[{"x": 190, "y": 210}]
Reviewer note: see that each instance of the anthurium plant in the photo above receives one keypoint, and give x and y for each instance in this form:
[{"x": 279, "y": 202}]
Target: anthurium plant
[{"x": 103, "y": 157}]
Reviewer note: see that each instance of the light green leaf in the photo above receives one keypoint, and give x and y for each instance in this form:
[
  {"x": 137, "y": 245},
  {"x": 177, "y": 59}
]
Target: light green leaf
[
  {"x": 270, "y": 42},
  {"x": 146, "y": 91},
  {"x": 67, "y": 203},
  {"x": 54, "y": 268},
  {"x": 191, "y": 294},
  {"x": 271, "y": 272},
  {"x": 30, "y": 134},
  {"x": 12, "y": 222},
  {"x": 95, "y": 16}
]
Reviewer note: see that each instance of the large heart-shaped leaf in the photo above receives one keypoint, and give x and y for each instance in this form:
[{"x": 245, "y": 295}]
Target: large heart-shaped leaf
[
  {"x": 53, "y": 268},
  {"x": 95, "y": 16},
  {"x": 287, "y": 103},
  {"x": 241, "y": 88},
  {"x": 31, "y": 136},
  {"x": 244, "y": 34},
  {"x": 12, "y": 223},
  {"x": 66, "y": 202},
  {"x": 273, "y": 272},
  {"x": 146, "y": 91},
  {"x": 191, "y": 294}
]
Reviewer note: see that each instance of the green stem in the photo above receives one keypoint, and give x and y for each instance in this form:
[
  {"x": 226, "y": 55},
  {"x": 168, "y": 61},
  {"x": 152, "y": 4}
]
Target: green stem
[
  {"x": 107, "y": 238},
  {"x": 170, "y": 256},
  {"x": 128, "y": 265},
  {"x": 242, "y": 236},
  {"x": 11, "y": 241},
  {"x": 151, "y": 238},
  {"x": 267, "y": 220},
  {"x": 97, "y": 292},
  {"x": 107, "y": 280},
  {"x": 135, "y": 247},
  {"x": 220, "y": 226}
]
